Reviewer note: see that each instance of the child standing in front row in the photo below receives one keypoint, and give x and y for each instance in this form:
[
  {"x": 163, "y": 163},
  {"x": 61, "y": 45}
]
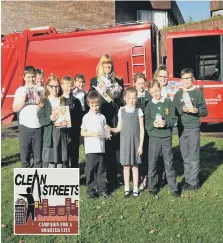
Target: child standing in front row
[
  {"x": 189, "y": 112},
  {"x": 143, "y": 98},
  {"x": 92, "y": 129},
  {"x": 131, "y": 128},
  {"x": 160, "y": 119},
  {"x": 54, "y": 152}
]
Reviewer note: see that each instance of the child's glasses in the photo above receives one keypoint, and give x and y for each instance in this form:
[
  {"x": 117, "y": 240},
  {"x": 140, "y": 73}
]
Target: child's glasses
[{"x": 54, "y": 86}]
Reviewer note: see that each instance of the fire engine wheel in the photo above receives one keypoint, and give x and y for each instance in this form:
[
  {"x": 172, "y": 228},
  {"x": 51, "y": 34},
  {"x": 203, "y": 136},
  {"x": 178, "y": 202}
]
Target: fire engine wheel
[{"x": 204, "y": 126}]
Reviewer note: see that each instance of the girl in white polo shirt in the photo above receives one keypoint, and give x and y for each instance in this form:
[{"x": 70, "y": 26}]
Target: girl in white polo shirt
[{"x": 30, "y": 132}]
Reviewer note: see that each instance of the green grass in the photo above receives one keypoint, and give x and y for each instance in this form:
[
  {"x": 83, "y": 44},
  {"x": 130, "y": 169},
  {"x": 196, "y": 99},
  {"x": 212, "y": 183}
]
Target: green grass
[{"x": 195, "y": 217}]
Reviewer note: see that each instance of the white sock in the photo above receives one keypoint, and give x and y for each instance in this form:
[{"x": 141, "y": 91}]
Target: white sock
[
  {"x": 126, "y": 188},
  {"x": 135, "y": 189}
]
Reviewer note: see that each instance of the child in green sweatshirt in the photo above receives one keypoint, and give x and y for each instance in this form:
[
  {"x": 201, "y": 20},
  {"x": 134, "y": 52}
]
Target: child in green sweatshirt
[
  {"x": 190, "y": 105},
  {"x": 159, "y": 121}
]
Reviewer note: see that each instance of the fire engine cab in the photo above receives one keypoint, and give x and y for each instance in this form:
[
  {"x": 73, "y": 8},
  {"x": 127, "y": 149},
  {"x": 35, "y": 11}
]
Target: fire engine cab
[{"x": 135, "y": 47}]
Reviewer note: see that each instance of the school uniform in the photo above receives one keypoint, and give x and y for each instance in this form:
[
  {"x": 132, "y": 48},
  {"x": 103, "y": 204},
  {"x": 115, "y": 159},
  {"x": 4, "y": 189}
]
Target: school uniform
[
  {"x": 130, "y": 135},
  {"x": 94, "y": 153},
  {"x": 160, "y": 141},
  {"x": 142, "y": 100},
  {"x": 30, "y": 132},
  {"x": 55, "y": 144},
  {"x": 189, "y": 134},
  {"x": 74, "y": 131},
  {"x": 81, "y": 95},
  {"x": 110, "y": 111}
]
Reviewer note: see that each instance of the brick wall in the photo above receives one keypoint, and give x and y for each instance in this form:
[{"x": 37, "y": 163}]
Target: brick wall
[
  {"x": 202, "y": 25},
  {"x": 64, "y": 15},
  {"x": 216, "y": 5}
]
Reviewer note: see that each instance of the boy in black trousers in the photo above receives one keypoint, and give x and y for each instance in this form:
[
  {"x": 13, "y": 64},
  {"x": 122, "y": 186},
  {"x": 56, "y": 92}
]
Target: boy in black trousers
[
  {"x": 190, "y": 105},
  {"x": 159, "y": 121},
  {"x": 68, "y": 99}
]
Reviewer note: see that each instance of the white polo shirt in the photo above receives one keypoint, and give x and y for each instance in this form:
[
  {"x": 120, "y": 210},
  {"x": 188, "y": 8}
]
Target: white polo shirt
[
  {"x": 94, "y": 122},
  {"x": 28, "y": 114}
]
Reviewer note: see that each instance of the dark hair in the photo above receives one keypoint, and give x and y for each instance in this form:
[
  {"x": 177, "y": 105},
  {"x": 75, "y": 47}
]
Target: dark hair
[
  {"x": 80, "y": 76},
  {"x": 153, "y": 83},
  {"x": 93, "y": 96},
  {"x": 160, "y": 68},
  {"x": 187, "y": 70},
  {"x": 139, "y": 75},
  {"x": 29, "y": 69},
  {"x": 39, "y": 71},
  {"x": 130, "y": 90}
]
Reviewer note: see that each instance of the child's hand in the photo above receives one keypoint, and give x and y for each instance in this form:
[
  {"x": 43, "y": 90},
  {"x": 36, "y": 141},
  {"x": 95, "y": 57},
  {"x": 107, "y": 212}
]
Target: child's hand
[
  {"x": 96, "y": 135},
  {"x": 162, "y": 123},
  {"x": 186, "y": 109},
  {"x": 54, "y": 115},
  {"x": 194, "y": 110},
  {"x": 156, "y": 124},
  {"x": 140, "y": 151}
]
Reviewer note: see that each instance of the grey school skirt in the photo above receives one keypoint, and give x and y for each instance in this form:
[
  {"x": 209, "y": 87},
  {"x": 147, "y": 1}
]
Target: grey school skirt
[{"x": 57, "y": 152}]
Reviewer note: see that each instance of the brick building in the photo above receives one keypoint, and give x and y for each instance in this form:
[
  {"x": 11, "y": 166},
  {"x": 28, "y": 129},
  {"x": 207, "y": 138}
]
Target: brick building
[
  {"x": 216, "y": 7},
  {"x": 68, "y": 15}
]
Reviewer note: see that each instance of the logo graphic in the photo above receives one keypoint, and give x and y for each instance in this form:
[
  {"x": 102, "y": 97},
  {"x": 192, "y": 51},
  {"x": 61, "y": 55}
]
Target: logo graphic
[
  {"x": 46, "y": 201},
  {"x": 166, "y": 111}
]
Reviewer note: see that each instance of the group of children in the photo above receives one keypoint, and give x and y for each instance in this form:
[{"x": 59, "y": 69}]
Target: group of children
[
  {"x": 41, "y": 143},
  {"x": 145, "y": 124}
]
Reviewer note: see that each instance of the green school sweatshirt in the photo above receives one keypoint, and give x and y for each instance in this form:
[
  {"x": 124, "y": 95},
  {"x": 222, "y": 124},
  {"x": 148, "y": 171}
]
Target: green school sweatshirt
[
  {"x": 167, "y": 111},
  {"x": 44, "y": 119},
  {"x": 190, "y": 120}
]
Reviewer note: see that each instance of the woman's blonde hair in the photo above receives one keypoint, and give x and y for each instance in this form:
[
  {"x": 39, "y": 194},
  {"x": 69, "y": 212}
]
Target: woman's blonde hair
[
  {"x": 106, "y": 58},
  {"x": 46, "y": 92}
]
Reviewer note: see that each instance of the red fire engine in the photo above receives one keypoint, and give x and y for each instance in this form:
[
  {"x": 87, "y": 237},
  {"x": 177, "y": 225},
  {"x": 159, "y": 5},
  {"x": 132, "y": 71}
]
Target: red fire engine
[{"x": 134, "y": 48}]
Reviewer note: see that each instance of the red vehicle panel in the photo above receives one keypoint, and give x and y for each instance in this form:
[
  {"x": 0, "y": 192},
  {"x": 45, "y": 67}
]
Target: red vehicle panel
[
  {"x": 203, "y": 52},
  {"x": 74, "y": 52}
]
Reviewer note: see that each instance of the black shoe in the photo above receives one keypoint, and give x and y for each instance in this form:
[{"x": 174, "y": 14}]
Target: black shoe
[
  {"x": 185, "y": 187},
  {"x": 194, "y": 188},
  {"x": 127, "y": 194},
  {"x": 176, "y": 194},
  {"x": 153, "y": 193},
  {"x": 104, "y": 194}
]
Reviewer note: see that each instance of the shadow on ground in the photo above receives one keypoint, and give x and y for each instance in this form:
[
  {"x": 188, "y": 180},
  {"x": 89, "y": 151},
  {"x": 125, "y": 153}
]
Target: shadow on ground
[
  {"x": 211, "y": 158},
  {"x": 10, "y": 159}
]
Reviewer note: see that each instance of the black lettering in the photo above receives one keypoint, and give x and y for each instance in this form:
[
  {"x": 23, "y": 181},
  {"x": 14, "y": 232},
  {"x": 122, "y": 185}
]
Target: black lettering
[
  {"x": 43, "y": 179},
  {"x": 66, "y": 190},
  {"x": 55, "y": 190},
  {"x": 45, "y": 190},
  {"x": 29, "y": 179},
  {"x": 61, "y": 190},
  {"x": 19, "y": 176},
  {"x": 77, "y": 190}
]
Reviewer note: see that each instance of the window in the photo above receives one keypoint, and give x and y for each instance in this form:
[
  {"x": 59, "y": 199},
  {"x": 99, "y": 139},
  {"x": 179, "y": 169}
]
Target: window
[{"x": 208, "y": 67}]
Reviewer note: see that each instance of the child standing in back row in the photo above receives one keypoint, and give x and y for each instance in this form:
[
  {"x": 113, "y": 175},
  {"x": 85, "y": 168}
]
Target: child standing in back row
[
  {"x": 74, "y": 104},
  {"x": 78, "y": 91},
  {"x": 131, "y": 128},
  {"x": 143, "y": 98},
  {"x": 160, "y": 119},
  {"x": 190, "y": 105}
]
